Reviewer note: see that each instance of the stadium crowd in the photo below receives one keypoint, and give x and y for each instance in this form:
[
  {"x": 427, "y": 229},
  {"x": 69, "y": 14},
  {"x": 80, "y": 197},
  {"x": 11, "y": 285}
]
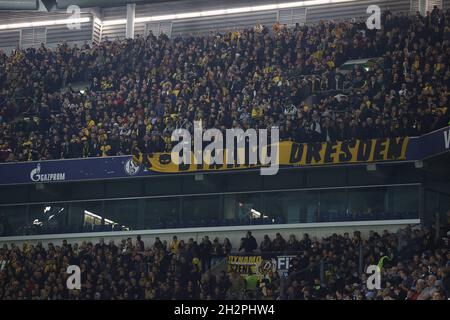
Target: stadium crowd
[
  {"x": 141, "y": 90},
  {"x": 416, "y": 268}
]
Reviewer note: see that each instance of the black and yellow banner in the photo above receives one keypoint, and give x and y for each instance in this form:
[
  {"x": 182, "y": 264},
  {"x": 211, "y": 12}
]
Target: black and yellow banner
[
  {"x": 244, "y": 264},
  {"x": 293, "y": 154}
]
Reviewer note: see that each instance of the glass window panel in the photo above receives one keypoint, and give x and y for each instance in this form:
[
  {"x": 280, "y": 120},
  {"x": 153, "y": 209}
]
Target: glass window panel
[
  {"x": 366, "y": 204},
  {"x": 283, "y": 207},
  {"x": 201, "y": 211},
  {"x": 123, "y": 214},
  {"x": 403, "y": 202},
  {"x": 399, "y": 202},
  {"x": 84, "y": 215},
  {"x": 292, "y": 206},
  {"x": 333, "y": 205},
  {"x": 242, "y": 208},
  {"x": 162, "y": 213},
  {"x": 48, "y": 218},
  {"x": 310, "y": 207},
  {"x": 13, "y": 221}
]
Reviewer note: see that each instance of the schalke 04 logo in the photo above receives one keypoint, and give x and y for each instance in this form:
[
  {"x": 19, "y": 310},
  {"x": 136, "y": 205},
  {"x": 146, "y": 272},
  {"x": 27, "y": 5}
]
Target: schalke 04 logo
[{"x": 131, "y": 168}]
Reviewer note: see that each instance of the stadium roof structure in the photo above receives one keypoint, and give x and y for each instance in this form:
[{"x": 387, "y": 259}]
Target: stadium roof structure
[
  {"x": 101, "y": 19},
  {"x": 55, "y": 5},
  {"x": 63, "y": 4}
]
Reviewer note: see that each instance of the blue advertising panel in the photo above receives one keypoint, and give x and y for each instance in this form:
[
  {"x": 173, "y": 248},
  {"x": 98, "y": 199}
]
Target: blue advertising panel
[
  {"x": 69, "y": 170},
  {"x": 49, "y": 171}
]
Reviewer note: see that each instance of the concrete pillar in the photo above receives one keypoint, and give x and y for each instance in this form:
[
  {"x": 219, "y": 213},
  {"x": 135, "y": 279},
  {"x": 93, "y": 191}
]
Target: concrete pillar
[{"x": 131, "y": 11}]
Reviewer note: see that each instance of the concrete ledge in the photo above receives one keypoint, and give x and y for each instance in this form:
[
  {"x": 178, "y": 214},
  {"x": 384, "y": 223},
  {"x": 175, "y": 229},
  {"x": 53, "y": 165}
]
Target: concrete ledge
[{"x": 232, "y": 232}]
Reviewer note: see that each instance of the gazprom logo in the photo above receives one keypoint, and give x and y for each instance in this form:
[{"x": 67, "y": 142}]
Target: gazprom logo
[{"x": 37, "y": 176}]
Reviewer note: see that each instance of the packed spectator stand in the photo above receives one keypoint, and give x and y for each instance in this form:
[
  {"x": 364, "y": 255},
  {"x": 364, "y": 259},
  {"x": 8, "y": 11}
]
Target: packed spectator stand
[
  {"x": 417, "y": 268},
  {"x": 140, "y": 90}
]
